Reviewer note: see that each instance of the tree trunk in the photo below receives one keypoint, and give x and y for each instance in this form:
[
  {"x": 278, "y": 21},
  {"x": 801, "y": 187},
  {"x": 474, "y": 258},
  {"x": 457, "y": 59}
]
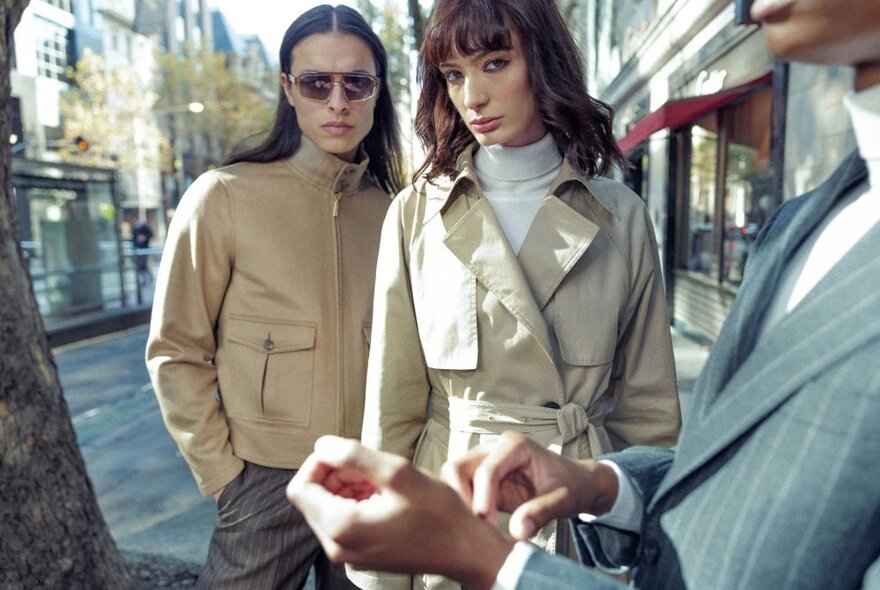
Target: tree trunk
[
  {"x": 418, "y": 22},
  {"x": 52, "y": 534}
]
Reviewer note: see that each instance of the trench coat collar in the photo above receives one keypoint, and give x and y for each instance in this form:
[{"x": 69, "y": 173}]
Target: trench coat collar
[
  {"x": 730, "y": 401},
  {"x": 326, "y": 171},
  {"x": 442, "y": 191},
  {"x": 558, "y": 237}
]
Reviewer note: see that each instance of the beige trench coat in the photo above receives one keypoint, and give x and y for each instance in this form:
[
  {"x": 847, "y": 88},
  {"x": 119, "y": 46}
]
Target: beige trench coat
[{"x": 568, "y": 342}]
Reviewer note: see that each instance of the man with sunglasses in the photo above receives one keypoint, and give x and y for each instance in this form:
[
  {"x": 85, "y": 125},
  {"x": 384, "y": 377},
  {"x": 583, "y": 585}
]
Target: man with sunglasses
[{"x": 260, "y": 329}]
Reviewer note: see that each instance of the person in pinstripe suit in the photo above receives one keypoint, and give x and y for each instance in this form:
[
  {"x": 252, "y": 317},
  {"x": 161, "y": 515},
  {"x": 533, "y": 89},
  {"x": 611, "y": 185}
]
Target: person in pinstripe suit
[{"x": 775, "y": 482}]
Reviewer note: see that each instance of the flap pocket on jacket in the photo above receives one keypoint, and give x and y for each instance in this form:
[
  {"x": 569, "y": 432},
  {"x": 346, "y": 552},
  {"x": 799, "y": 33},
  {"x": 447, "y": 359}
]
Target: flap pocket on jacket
[
  {"x": 272, "y": 337},
  {"x": 585, "y": 322}
]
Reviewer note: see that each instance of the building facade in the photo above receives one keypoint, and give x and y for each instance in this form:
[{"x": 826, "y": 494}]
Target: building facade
[{"x": 717, "y": 132}]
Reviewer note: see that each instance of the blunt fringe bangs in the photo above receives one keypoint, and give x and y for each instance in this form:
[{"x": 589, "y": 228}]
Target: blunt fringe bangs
[
  {"x": 580, "y": 124},
  {"x": 382, "y": 143}
]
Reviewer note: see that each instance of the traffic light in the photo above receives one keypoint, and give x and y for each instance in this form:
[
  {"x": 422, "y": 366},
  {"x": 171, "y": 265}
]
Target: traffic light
[{"x": 81, "y": 143}]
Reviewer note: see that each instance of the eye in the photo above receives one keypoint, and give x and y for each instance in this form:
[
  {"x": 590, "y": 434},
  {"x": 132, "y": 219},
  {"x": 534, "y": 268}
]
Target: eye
[
  {"x": 496, "y": 64},
  {"x": 452, "y": 76}
]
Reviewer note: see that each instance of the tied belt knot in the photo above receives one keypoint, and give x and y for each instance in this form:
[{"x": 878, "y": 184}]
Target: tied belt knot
[{"x": 553, "y": 427}]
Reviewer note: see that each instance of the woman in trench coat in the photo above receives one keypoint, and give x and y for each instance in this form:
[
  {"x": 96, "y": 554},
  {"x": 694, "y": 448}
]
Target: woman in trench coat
[{"x": 516, "y": 289}]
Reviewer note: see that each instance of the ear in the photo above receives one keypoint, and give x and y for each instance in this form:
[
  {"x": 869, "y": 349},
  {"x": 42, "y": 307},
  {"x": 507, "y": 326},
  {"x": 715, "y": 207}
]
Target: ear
[{"x": 287, "y": 86}]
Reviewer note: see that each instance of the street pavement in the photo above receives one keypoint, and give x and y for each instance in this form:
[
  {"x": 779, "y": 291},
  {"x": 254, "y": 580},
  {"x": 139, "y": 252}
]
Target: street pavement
[{"x": 145, "y": 490}]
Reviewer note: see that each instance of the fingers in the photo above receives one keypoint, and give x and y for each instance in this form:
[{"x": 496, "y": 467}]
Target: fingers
[
  {"x": 509, "y": 454},
  {"x": 537, "y": 512}
]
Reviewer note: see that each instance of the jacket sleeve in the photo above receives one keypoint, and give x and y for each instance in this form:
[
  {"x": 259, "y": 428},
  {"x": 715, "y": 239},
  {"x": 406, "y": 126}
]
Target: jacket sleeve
[
  {"x": 643, "y": 382},
  {"x": 396, "y": 406},
  {"x": 552, "y": 572},
  {"x": 192, "y": 280},
  {"x": 612, "y": 549}
]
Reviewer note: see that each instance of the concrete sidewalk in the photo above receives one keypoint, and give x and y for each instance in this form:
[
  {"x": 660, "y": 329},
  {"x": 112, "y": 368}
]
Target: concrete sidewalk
[{"x": 144, "y": 488}]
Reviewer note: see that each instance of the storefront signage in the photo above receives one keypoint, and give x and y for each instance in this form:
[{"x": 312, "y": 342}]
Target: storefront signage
[{"x": 709, "y": 82}]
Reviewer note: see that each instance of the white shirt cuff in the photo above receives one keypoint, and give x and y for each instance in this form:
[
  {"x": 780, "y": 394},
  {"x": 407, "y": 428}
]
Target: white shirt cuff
[
  {"x": 512, "y": 569},
  {"x": 628, "y": 509}
]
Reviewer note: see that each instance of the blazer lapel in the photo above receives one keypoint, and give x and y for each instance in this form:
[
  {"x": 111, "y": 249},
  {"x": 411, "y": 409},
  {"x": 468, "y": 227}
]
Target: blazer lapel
[
  {"x": 556, "y": 240},
  {"x": 799, "y": 347},
  {"x": 476, "y": 238}
]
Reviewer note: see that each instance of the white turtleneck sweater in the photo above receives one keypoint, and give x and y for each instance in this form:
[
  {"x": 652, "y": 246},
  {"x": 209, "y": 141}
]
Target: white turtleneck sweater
[
  {"x": 850, "y": 218},
  {"x": 515, "y": 180}
]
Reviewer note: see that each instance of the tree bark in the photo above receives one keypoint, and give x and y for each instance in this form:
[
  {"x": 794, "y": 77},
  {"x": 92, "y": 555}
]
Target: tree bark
[
  {"x": 52, "y": 534},
  {"x": 418, "y": 22}
]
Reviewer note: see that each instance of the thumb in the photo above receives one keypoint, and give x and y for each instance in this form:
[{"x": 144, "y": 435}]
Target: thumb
[{"x": 537, "y": 512}]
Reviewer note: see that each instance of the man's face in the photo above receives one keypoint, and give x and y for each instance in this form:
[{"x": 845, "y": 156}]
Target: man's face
[{"x": 822, "y": 31}]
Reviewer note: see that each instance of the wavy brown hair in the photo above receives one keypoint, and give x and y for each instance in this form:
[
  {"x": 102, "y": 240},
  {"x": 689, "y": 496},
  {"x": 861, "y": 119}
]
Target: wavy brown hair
[{"x": 580, "y": 124}]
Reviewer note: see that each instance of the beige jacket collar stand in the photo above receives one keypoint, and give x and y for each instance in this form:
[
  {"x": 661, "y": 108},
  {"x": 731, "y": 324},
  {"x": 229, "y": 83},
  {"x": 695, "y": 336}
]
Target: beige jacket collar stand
[
  {"x": 443, "y": 191},
  {"x": 326, "y": 170}
]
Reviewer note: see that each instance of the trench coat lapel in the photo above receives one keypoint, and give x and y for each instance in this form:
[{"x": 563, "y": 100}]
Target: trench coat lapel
[
  {"x": 759, "y": 378},
  {"x": 476, "y": 238},
  {"x": 556, "y": 240}
]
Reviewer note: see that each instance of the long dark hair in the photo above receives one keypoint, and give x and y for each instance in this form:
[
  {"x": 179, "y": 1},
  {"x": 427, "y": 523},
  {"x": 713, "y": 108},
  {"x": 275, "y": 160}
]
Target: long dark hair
[
  {"x": 382, "y": 143},
  {"x": 580, "y": 124}
]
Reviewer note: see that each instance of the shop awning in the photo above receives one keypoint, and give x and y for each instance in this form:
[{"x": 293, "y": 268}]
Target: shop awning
[{"x": 677, "y": 113}]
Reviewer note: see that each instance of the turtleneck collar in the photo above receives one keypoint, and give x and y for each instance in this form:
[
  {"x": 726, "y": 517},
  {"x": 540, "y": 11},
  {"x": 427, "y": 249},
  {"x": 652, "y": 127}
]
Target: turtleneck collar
[
  {"x": 864, "y": 110},
  {"x": 327, "y": 171},
  {"x": 518, "y": 163}
]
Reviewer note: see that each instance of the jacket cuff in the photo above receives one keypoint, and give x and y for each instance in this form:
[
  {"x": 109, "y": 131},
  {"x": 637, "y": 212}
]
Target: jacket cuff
[{"x": 219, "y": 480}]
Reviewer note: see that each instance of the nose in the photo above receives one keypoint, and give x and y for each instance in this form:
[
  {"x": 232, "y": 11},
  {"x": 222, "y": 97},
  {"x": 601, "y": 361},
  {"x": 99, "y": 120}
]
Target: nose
[
  {"x": 475, "y": 95},
  {"x": 337, "y": 102}
]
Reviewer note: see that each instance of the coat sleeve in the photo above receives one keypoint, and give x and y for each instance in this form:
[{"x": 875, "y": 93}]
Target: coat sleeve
[
  {"x": 192, "y": 280},
  {"x": 612, "y": 549},
  {"x": 396, "y": 406},
  {"x": 643, "y": 382},
  {"x": 552, "y": 572}
]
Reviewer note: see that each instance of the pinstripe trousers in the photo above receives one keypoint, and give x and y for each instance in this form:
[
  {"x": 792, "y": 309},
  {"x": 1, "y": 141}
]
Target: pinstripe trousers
[{"x": 262, "y": 542}]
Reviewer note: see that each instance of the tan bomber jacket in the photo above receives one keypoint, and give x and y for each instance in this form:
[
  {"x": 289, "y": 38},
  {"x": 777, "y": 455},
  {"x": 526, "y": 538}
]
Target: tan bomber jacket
[{"x": 261, "y": 318}]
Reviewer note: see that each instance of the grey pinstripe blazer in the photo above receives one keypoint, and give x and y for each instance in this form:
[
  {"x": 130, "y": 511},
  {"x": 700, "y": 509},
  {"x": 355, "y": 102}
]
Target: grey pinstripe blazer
[{"x": 775, "y": 483}]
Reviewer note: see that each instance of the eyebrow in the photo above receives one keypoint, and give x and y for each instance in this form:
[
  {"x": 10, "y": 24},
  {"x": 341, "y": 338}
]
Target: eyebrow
[{"x": 472, "y": 57}]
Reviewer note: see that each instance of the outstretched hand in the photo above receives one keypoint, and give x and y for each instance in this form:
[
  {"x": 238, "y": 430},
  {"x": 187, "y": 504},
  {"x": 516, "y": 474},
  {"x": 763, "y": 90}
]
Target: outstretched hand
[
  {"x": 375, "y": 511},
  {"x": 514, "y": 474}
]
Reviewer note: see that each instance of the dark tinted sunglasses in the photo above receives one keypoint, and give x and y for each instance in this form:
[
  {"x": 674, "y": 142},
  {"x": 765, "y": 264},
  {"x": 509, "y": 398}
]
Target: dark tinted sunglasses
[{"x": 319, "y": 85}]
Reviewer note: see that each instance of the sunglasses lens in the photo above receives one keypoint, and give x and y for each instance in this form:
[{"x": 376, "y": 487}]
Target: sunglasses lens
[
  {"x": 316, "y": 86},
  {"x": 319, "y": 86},
  {"x": 358, "y": 87}
]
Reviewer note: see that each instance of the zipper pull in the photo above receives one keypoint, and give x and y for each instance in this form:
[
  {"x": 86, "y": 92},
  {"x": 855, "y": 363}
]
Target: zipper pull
[{"x": 336, "y": 197}]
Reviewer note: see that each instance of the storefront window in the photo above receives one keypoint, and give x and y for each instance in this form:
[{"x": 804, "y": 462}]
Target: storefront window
[
  {"x": 748, "y": 182},
  {"x": 701, "y": 254}
]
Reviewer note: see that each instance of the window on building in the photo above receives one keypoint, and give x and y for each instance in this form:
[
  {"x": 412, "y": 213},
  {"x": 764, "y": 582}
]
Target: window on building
[
  {"x": 52, "y": 49},
  {"x": 748, "y": 182},
  {"x": 727, "y": 188},
  {"x": 701, "y": 255}
]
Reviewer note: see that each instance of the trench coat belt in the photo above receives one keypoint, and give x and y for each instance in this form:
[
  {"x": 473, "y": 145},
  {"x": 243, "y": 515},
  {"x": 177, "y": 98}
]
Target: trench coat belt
[{"x": 554, "y": 428}]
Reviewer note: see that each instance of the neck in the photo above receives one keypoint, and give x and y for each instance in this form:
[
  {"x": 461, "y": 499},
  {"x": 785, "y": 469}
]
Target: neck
[{"x": 867, "y": 75}]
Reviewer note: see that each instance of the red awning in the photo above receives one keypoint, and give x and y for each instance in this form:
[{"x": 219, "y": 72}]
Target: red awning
[{"x": 677, "y": 113}]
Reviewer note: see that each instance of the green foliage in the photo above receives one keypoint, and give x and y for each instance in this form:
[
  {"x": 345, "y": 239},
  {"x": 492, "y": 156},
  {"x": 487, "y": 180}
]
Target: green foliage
[
  {"x": 109, "y": 108},
  {"x": 393, "y": 32},
  {"x": 237, "y": 108}
]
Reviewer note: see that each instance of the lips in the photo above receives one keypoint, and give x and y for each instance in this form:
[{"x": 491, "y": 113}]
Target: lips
[
  {"x": 763, "y": 9},
  {"x": 336, "y": 127},
  {"x": 485, "y": 124}
]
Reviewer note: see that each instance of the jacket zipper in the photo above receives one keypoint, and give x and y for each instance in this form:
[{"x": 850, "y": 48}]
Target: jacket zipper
[{"x": 337, "y": 278}]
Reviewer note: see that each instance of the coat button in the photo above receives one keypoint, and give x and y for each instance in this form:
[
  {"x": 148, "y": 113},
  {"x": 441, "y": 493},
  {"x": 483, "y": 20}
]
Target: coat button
[
  {"x": 268, "y": 344},
  {"x": 650, "y": 552},
  {"x": 552, "y": 406}
]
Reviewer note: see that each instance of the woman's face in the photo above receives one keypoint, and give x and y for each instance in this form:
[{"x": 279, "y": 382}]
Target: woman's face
[
  {"x": 336, "y": 125},
  {"x": 493, "y": 95}
]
